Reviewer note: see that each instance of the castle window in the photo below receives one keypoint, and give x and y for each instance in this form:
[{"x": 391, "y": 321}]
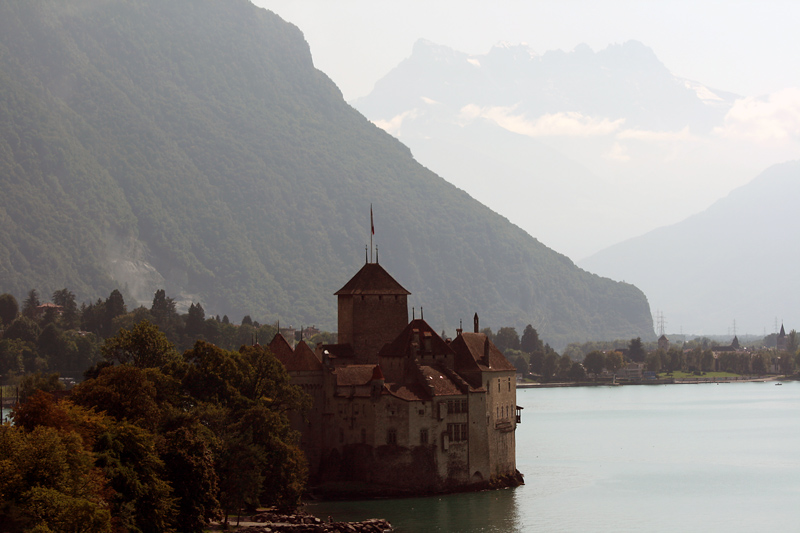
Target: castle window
[
  {"x": 498, "y": 385},
  {"x": 457, "y": 432},
  {"x": 457, "y": 406},
  {"x": 423, "y": 436},
  {"x": 391, "y": 437},
  {"x": 509, "y": 384}
]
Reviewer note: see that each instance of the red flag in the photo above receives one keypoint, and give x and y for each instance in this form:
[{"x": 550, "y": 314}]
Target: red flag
[{"x": 371, "y": 222}]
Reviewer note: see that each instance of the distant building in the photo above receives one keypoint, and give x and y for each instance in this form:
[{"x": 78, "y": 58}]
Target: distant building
[
  {"x": 631, "y": 371},
  {"x": 395, "y": 405},
  {"x": 782, "y": 340},
  {"x": 663, "y": 343}
]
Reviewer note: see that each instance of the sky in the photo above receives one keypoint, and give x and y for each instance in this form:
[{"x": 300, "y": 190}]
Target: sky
[{"x": 745, "y": 47}]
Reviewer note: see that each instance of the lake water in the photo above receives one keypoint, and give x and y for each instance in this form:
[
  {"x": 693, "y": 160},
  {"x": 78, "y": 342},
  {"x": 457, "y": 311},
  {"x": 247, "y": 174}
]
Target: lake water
[{"x": 636, "y": 458}]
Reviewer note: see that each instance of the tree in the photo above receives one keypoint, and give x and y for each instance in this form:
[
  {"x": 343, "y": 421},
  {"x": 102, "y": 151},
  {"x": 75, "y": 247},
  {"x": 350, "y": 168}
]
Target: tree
[
  {"x": 30, "y": 304},
  {"x": 8, "y": 308},
  {"x": 536, "y": 361},
  {"x": 759, "y": 365},
  {"x": 143, "y": 500},
  {"x": 653, "y": 362},
  {"x": 787, "y": 363},
  {"x": 48, "y": 480},
  {"x": 549, "y": 366},
  {"x": 32, "y": 383},
  {"x": 195, "y": 321},
  {"x": 124, "y": 392},
  {"x": 115, "y": 306},
  {"x": 506, "y": 339},
  {"x": 676, "y": 361},
  {"x": 12, "y": 357},
  {"x": 520, "y": 364},
  {"x": 576, "y": 372},
  {"x": 143, "y": 346},
  {"x": 93, "y": 317},
  {"x": 636, "y": 350},
  {"x": 563, "y": 366},
  {"x": 792, "y": 342},
  {"x": 530, "y": 340},
  {"x": 707, "y": 360},
  {"x": 24, "y": 329},
  {"x": 594, "y": 362},
  {"x": 69, "y": 309},
  {"x": 189, "y": 460},
  {"x": 614, "y": 361}
]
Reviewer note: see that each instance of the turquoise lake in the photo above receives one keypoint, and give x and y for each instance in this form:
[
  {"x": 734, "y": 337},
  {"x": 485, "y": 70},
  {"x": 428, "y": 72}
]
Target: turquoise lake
[{"x": 636, "y": 458}]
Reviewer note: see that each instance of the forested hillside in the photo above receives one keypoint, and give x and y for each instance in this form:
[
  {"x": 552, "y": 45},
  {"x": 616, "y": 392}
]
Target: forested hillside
[{"x": 192, "y": 146}]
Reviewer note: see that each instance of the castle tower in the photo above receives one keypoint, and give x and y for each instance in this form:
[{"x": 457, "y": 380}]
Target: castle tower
[{"x": 373, "y": 311}]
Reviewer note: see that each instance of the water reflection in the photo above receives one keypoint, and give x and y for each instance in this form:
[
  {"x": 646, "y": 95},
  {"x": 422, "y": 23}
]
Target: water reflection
[{"x": 487, "y": 511}]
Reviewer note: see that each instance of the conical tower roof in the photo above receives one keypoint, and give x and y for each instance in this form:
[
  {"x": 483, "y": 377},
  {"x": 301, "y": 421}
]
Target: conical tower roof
[{"x": 372, "y": 279}]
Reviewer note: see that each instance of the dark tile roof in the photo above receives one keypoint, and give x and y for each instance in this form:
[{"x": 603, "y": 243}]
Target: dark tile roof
[
  {"x": 281, "y": 349},
  {"x": 351, "y": 375},
  {"x": 343, "y": 352},
  {"x": 410, "y": 392},
  {"x": 297, "y": 360},
  {"x": 441, "y": 383},
  {"x": 372, "y": 279},
  {"x": 418, "y": 330},
  {"x": 476, "y": 352},
  {"x": 304, "y": 358}
]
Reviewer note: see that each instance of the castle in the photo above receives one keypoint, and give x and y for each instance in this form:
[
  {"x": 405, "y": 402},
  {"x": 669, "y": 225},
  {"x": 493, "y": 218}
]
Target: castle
[{"x": 396, "y": 406}]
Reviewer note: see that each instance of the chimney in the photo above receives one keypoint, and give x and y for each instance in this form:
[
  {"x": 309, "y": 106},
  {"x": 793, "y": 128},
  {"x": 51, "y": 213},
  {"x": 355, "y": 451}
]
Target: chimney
[{"x": 475, "y": 320}]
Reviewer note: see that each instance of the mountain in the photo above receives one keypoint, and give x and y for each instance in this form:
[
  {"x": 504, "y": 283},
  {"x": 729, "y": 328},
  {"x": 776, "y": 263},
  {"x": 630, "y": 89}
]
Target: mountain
[
  {"x": 568, "y": 145},
  {"x": 734, "y": 262},
  {"x": 191, "y": 145}
]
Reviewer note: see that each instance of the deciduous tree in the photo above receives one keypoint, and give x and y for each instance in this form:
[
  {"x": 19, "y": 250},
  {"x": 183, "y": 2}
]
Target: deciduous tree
[
  {"x": 8, "y": 308},
  {"x": 594, "y": 362},
  {"x": 636, "y": 350}
]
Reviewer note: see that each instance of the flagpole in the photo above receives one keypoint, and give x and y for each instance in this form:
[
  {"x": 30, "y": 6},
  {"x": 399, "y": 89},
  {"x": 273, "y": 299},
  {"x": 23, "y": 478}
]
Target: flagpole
[{"x": 371, "y": 232}]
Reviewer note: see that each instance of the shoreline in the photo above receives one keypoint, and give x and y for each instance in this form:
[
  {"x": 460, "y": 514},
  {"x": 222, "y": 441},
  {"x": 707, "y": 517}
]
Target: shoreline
[
  {"x": 298, "y": 522},
  {"x": 666, "y": 381}
]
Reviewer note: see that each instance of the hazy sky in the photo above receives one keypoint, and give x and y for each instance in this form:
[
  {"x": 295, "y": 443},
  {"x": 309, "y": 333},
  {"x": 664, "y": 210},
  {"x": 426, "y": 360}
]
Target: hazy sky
[{"x": 745, "y": 47}]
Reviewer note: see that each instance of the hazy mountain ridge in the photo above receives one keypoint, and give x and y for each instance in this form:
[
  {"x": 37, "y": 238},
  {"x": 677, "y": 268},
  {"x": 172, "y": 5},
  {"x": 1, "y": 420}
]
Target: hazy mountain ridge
[
  {"x": 193, "y": 146},
  {"x": 734, "y": 261},
  {"x": 556, "y": 81},
  {"x": 596, "y": 129}
]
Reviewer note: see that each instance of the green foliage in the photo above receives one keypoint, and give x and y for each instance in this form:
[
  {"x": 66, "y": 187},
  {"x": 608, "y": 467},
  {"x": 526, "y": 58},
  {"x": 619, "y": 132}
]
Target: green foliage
[
  {"x": 24, "y": 329},
  {"x": 576, "y": 372},
  {"x": 506, "y": 338},
  {"x": 31, "y": 383},
  {"x": 614, "y": 361},
  {"x": 530, "y": 341},
  {"x": 48, "y": 482},
  {"x": 173, "y": 445},
  {"x": 30, "y": 304},
  {"x": 8, "y": 308},
  {"x": 636, "y": 350},
  {"x": 144, "y": 346},
  {"x": 594, "y": 362}
]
